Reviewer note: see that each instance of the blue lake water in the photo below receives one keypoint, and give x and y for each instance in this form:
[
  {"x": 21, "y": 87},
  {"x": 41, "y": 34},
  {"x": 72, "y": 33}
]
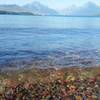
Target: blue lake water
[{"x": 49, "y": 41}]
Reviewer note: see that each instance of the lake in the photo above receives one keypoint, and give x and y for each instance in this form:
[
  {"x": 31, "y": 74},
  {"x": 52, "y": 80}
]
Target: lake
[{"x": 49, "y": 41}]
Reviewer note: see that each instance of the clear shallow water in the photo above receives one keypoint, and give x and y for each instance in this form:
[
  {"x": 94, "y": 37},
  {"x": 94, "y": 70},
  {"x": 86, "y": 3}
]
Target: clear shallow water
[{"x": 49, "y": 41}]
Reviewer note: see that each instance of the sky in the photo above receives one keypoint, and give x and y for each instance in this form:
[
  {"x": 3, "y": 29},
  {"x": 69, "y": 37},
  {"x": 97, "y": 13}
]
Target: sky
[{"x": 55, "y": 4}]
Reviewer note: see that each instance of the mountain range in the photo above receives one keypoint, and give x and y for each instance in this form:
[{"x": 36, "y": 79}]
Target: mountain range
[
  {"x": 40, "y": 9},
  {"x": 88, "y": 9},
  {"x": 14, "y": 9},
  {"x": 36, "y": 8}
]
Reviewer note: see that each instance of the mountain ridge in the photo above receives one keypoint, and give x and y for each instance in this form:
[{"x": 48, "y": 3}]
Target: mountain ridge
[
  {"x": 14, "y": 9},
  {"x": 88, "y": 9},
  {"x": 41, "y": 9},
  {"x": 36, "y": 8}
]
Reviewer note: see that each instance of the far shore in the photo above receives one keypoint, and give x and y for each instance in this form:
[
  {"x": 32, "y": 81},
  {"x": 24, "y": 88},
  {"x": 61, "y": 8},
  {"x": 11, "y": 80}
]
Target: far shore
[{"x": 31, "y": 14}]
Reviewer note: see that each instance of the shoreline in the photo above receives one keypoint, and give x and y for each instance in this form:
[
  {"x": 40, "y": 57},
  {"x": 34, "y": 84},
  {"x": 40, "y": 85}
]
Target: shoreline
[
  {"x": 43, "y": 84},
  {"x": 35, "y": 73}
]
